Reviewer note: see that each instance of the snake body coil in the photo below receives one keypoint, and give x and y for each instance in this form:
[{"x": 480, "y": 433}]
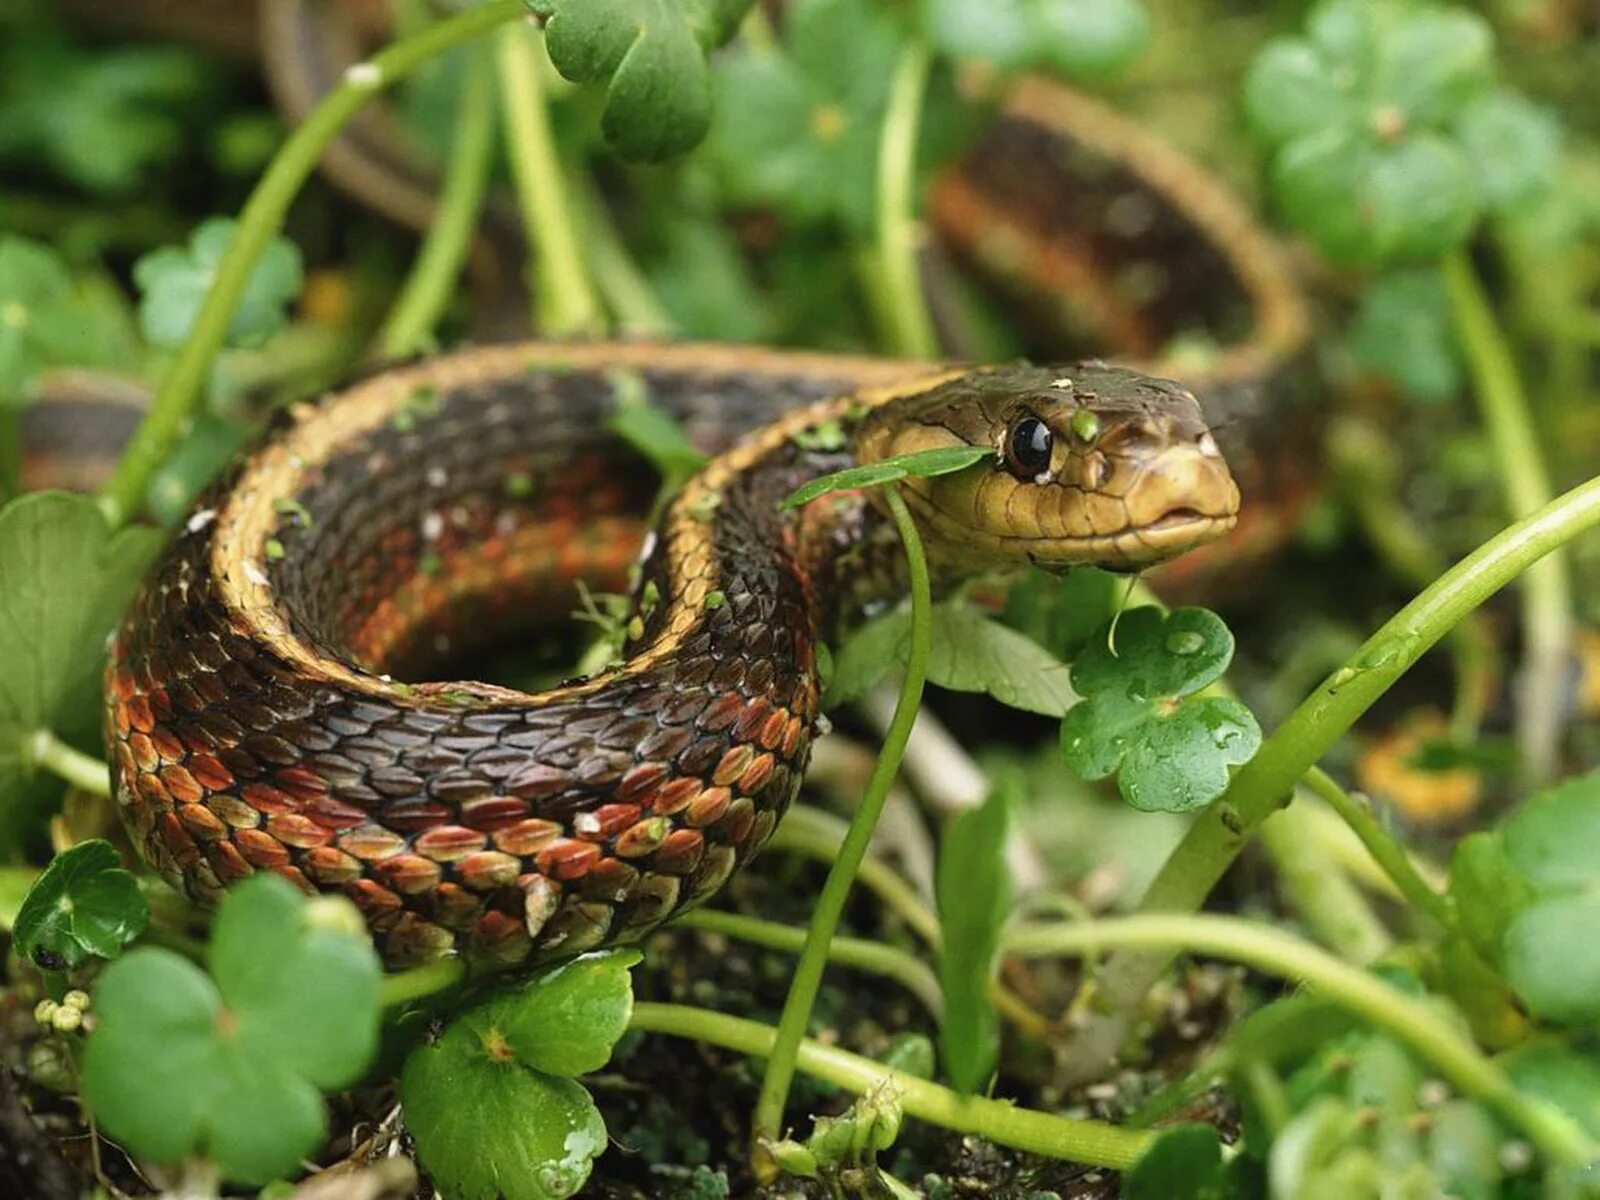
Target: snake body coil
[{"x": 254, "y": 699}]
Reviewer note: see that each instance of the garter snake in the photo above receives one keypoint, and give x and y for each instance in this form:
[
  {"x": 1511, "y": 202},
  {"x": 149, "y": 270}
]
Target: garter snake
[
  {"x": 257, "y": 709},
  {"x": 255, "y": 704}
]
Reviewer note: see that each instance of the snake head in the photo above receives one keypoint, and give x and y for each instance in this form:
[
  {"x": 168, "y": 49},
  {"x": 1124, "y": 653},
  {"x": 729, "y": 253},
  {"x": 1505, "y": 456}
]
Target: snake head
[{"x": 1093, "y": 466}]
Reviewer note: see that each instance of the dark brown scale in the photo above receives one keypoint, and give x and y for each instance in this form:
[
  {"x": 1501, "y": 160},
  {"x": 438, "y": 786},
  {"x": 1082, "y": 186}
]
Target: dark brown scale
[{"x": 503, "y": 830}]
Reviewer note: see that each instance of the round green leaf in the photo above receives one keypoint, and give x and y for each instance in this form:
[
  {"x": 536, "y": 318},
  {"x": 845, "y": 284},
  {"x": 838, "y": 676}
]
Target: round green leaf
[
  {"x": 1184, "y": 1163},
  {"x": 167, "y": 1074},
  {"x": 486, "y": 1126},
  {"x": 1402, "y": 331},
  {"x": 1182, "y": 760},
  {"x": 1552, "y": 957},
  {"x": 174, "y": 281},
  {"x": 33, "y": 285},
  {"x": 1515, "y": 145},
  {"x": 84, "y": 904},
  {"x": 565, "y": 1021},
  {"x": 1090, "y": 38},
  {"x": 1551, "y": 838},
  {"x": 1149, "y": 655},
  {"x": 304, "y": 996},
  {"x": 1289, "y": 92}
]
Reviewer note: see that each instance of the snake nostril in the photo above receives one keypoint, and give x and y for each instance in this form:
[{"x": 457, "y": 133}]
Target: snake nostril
[{"x": 1096, "y": 471}]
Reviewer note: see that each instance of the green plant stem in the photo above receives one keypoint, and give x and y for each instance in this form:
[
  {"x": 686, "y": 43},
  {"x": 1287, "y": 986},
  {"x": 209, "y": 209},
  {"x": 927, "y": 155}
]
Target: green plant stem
[
  {"x": 83, "y": 771},
  {"x": 1327, "y": 900},
  {"x": 1385, "y": 849},
  {"x": 768, "y": 1120},
  {"x": 260, "y": 220},
  {"x": 1264, "y": 783},
  {"x": 889, "y": 961},
  {"x": 419, "y": 982},
  {"x": 817, "y": 834},
  {"x": 1000, "y": 1121},
  {"x": 432, "y": 281},
  {"x": 622, "y": 285},
  {"x": 897, "y": 292},
  {"x": 1547, "y": 621},
  {"x": 567, "y": 303},
  {"x": 1432, "y": 1036}
]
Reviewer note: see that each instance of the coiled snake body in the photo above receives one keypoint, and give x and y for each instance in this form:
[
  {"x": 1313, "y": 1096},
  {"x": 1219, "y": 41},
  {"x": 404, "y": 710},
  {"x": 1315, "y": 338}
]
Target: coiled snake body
[{"x": 254, "y": 707}]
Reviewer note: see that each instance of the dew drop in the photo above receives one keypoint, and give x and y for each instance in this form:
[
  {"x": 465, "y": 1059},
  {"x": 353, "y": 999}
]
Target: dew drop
[{"x": 1185, "y": 641}]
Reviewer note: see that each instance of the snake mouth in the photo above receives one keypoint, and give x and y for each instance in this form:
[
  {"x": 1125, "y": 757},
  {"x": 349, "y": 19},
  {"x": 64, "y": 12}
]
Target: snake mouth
[{"x": 1179, "y": 518}]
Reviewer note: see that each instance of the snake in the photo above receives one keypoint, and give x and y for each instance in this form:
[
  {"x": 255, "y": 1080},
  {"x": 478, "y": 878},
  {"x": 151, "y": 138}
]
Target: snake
[
  {"x": 271, "y": 695},
  {"x": 278, "y": 695}
]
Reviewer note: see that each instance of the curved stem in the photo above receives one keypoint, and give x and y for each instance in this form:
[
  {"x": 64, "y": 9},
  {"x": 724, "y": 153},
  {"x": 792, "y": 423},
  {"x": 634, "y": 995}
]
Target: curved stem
[
  {"x": 897, "y": 290},
  {"x": 1386, "y": 851},
  {"x": 622, "y": 285},
  {"x": 836, "y": 890},
  {"x": 1547, "y": 621},
  {"x": 1429, "y": 1034},
  {"x": 428, "y": 288},
  {"x": 83, "y": 771},
  {"x": 1264, "y": 783},
  {"x": 1327, "y": 900},
  {"x": 889, "y": 961},
  {"x": 406, "y": 986},
  {"x": 1000, "y": 1121},
  {"x": 259, "y": 221},
  {"x": 568, "y": 305}
]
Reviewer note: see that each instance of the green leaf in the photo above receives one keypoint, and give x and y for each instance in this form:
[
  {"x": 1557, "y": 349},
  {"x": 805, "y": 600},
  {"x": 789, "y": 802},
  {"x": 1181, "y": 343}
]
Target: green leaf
[
  {"x": 1062, "y": 612},
  {"x": 1515, "y": 145},
  {"x": 653, "y": 55},
  {"x": 35, "y": 304},
  {"x": 565, "y": 1020},
  {"x": 64, "y": 580},
  {"x": 228, "y": 1066},
  {"x": 974, "y": 897},
  {"x": 1487, "y": 890},
  {"x": 1560, "y": 1076},
  {"x": 1081, "y": 38},
  {"x": 968, "y": 652},
  {"x": 920, "y": 464},
  {"x": 652, "y": 432},
  {"x": 174, "y": 280},
  {"x": 797, "y": 127},
  {"x": 1403, "y": 331},
  {"x": 101, "y": 117},
  {"x": 305, "y": 992},
  {"x": 487, "y": 1120},
  {"x": 1551, "y": 838},
  {"x": 1170, "y": 750},
  {"x": 1363, "y": 202},
  {"x": 1552, "y": 958},
  {"x": 1184, "y": 1163},
  {"x": 1362, "y": 115},
  {"x": 84, "y": 904}
]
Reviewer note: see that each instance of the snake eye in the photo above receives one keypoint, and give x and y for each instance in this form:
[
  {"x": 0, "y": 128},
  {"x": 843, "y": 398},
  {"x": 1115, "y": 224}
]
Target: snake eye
[{"x": 1027, "y": 448}]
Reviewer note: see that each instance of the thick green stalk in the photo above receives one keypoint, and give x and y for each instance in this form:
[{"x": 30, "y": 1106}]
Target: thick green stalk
[
  {"x": 1433, "y": 1037},
  {"x": 83, "y": 771},
  {"x": 1000, "y": 1121},
  {"x": 888, "y": 961},
  {"x": 260, "y": 220},
  {"x": 419, "y": 982},
  {"x": 830, "y": 902},
  {"x": 432, "y": 281},
  {"x": 1547, "y": 621},
  {"x": 1265, "y": 783},
  {"x": 567, "y": 303},
  {"x": 896, "y": 289}
]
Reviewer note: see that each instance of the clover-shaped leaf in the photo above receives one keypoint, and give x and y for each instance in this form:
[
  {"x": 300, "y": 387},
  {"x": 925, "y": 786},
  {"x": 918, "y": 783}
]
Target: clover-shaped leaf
[
  {"x": 797, "y": 126},
  {"x": 1075, "y": 37},
  {"x": 1361, "y": 112},
  {"x": 228, "y": 1065},
  {"x": 493, "y": 1104},
  {"x": 35, "y": 314},
  {"x": 64, "y": 580},
  {"x": 1514, "y": 144},
  {"x": 1140, "y": 719},
  {"x": 1402, "y": 331},
  {"x": 173, "y": 282},
  {"x": 653, "y": 52},
  {"x": 84, "y": 904}
]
